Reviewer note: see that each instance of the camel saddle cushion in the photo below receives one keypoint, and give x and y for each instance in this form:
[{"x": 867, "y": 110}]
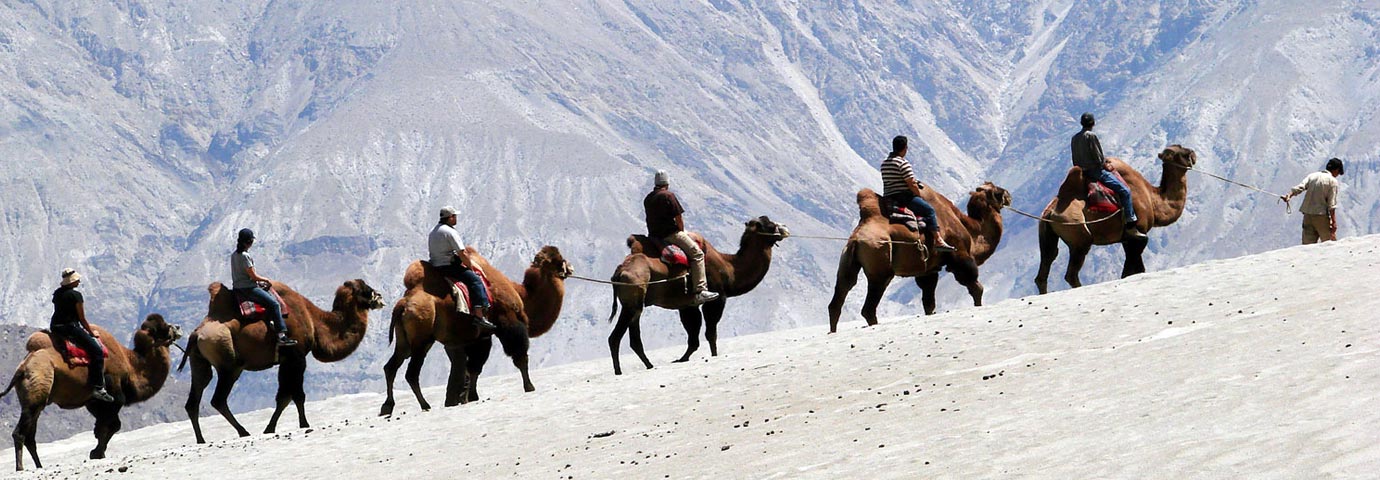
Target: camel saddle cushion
[
  {"x": 1101, "y": 198},
  {"x": 671, "y": 255},
  {"x": 463, "y": 303},
  {"x": 74, "y": 355},
  {"x": 253, "y": 311},
  {"x": 900, "y": 215}
]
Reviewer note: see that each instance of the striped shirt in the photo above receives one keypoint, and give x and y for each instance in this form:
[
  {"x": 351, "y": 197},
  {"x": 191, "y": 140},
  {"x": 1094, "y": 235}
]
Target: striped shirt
[{"x": 895, "y": 171}]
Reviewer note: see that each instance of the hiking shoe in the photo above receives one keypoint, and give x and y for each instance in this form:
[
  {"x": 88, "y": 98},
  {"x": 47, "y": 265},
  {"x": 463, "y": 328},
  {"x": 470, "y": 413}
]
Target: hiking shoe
[
  {"x": 705, "y": 297},
  {"x": 1132, "y": 231},
  {"x": 482, "y": 323},
  {"x": 99, "y": 393},
  {"x": 941, "y": 246},
  {"x": 284, "y": 341}
]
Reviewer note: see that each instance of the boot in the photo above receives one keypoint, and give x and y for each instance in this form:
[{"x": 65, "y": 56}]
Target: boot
[
  {"x": 480, "y": 319},
  {"x": 99, "y": 393},
  {"x": 284, "y": 340},
  {"x": 938, "y": 241},
  {"x": 704, "y": 297},
  {"x": 1132, "y": 231}
]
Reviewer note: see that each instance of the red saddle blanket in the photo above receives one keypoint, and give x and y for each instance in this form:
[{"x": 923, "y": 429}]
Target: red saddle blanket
[
  {"x": 900, "y": 215},
  {"x": 76, "y": 355},
  {"x": 253, "y": 311},
  {"x": 1101, "y": 198},
  {"x": 671, "y": 255},
  {"x": 465, "y": 304}
]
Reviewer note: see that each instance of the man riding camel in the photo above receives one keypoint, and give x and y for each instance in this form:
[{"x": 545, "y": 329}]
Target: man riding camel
[
  {"x": 664, "y": 221},
  {"x": 900, "y": 187},
  {"x": 449, "y": 257},
  {"x": 1087, "y": 155},
  {"x": 245, "y": 281},
  {"x": 69, "y": 322}
]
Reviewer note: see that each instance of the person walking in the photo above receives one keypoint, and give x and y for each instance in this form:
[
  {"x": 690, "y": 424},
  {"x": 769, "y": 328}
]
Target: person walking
[{"x": 1319, "y": 207}]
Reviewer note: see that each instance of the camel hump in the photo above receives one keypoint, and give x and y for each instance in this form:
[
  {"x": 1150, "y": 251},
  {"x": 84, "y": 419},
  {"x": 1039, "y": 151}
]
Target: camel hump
[
  {"x": 869, "y": 204},
  {"x": 214, "y": 288}
]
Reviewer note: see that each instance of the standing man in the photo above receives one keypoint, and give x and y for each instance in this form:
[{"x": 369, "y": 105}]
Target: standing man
[
  {"x": 1319, "y": 203},
  {"x": 664, "y": 221},
  {"x": 1087, "y": 155},
  {"x": 900, "y": 187},
  {"x": 449, "y": 256},
  {"x": 69, "y": 322}
]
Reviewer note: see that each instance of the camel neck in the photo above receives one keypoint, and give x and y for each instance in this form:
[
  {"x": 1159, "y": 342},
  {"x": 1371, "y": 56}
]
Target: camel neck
[
  {"x": 750, "y": 265},
  {"x": 336, "y": 335},
  {"x": 542, "y": 296},
  {"x": 152, "y": 365},
  {"x": 1173, "y": 192},
  {"x": 985, "y": 227}
]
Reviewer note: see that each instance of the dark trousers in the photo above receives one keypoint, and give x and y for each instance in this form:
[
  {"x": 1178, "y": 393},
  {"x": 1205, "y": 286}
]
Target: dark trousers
[
  {"x": 272, "y": 309},
  {"x": 479, "y": 297},
  {"x": 95, "y": 377},
  {"x": 919, "y": 207}
]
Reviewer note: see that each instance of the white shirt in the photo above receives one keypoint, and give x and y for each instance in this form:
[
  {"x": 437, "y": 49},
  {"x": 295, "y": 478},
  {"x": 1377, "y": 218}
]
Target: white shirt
[
  {"x": 444, "y": 243},
  {"x": 1321, "y": 196}
]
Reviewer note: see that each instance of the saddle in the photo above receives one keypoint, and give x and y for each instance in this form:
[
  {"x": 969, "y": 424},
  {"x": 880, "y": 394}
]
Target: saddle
[
  {"x": 254, "y": 312},
  {"x": 900, "y": 215},
  {"x": 1101, "y": 199},
  {"x": 71, "y": 353},
  {"x": 671, "y": 255},
  {"x": 463, "y": 303}
]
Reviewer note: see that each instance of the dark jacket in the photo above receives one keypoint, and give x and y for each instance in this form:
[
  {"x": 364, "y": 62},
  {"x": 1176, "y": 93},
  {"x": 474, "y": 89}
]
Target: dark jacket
[
  {"x": 662, "y": 208},
  {"x": 1087, "y": 151}
]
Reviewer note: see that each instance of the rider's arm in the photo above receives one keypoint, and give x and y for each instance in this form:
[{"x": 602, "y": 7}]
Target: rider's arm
[
  {"x": 81, "y": 316},
  {"x": 1096, "y": 146},
  {"x": 914, "y": 186},
  {"x": 255, "y": 276}
]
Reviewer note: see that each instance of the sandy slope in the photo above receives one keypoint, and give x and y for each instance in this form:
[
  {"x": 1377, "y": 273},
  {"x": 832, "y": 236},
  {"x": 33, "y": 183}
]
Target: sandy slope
[{"x": 1257, "y": 367}]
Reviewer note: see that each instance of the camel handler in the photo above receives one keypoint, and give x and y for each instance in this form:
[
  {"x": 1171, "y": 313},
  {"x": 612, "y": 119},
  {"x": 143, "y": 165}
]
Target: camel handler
[
  {"x": 900, "y": 187},
  {"x": 1319, "y": 203},
  {"x": 448, "y": 255},
  {"x": 245, "y": 281},
  {"x": 69, "y": 322},
  {"x": 664, "y": 221},
  {"x": 1087, "y": 155}
]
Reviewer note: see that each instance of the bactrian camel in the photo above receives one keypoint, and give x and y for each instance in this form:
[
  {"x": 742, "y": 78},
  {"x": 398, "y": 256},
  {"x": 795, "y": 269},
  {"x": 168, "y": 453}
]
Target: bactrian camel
[
  {"x": 426, "y": 315},
  {"x": 1155, "y": 206},
  {"x": 883, "y": 250},
  {"x": 231, "y": 345},
  {"x": 729, "y": 275},
  {"x": 132, "y": 376}
]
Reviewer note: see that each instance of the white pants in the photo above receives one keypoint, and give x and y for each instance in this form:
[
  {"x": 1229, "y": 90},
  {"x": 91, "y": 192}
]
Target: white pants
[{"x": 692, "y": 250}]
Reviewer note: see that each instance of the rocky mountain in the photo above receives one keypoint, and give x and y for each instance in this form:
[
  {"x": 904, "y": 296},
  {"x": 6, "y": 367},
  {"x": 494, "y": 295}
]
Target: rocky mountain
[{"x": 137, "y": 137}]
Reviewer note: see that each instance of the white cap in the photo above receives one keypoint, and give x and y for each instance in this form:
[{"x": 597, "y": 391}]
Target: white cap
[
  {"x": 447, "y": 211},
  {"x": 662, "y": 178},
  {"x": 70, "y": 276}
]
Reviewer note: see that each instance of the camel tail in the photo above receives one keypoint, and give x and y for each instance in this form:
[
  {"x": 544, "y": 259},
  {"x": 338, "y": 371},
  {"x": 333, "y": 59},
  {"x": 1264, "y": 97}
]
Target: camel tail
[
  {"x": 614, "y": 313},
  {"x": 395, "y": 320},
  {"x": 187, "y": 352},
  {"x": 18, "y": 375}
]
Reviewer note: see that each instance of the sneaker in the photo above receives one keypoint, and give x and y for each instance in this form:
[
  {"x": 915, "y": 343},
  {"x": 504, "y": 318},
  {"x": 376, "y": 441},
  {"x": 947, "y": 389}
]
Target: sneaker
[
  {"x": 284, "y": 341},
  {"x": 1133, "y": 231},
  {"x": 99, "y": 393},
  {"x": 705, "y": 297}
]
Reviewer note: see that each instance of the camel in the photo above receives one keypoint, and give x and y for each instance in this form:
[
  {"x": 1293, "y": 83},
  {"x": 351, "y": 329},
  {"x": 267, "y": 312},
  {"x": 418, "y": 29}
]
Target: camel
[
  {"x": 643, "y": 280},
  {"x": 132, "y": 376},
  {"x": 232, "y": 345},
  {"x": 426, "y": 315},
  {"x": 974, "y": 236},
  {"x": 1155, "y": 206}
]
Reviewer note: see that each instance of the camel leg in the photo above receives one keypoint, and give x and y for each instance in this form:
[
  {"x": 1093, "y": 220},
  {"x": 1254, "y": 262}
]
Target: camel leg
[
  {"x": 628, "y": 320},
  {"x": 1076, "y": 257},
  {"x": 390, "y": 372},
  {"x": 478, "y": 353},
  {"x": 965, "y": 271},
  {"x": 220, "y": 399},
  {"x": 107, "y": 423},
  {"x": 515, "y": 344},
  {"x": 1049, "y": 250},
  {"x": 414, "y": 373},
  {"x": 927, "y": 284},
  {"x": 713, "y": 312},
  {"x": 292, "y": 368},
  {"x": 24, "y": 433},
  {"x": 201, "y": 378},
  {"x": 876, "y": 287},
  {"x": 847, "y": 278},
  {"x": 1135, "y": 264},
  {"x": 691, "y": 319},
  {"x": 456, "y": 382}
]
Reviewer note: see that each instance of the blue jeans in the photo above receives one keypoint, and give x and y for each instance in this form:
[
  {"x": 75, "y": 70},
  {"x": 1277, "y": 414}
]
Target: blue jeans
[
  {"x": 479, "y": 297},
  {"x": 919, "y": 207},
  {"x": 270, "y": 304},
  {"x": 95, "y": 376},
  {"x": 1123, "y": 194}
]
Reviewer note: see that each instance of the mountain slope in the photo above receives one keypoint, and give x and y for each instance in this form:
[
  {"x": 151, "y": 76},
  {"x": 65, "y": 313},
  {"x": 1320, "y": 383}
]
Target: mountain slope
[{"x": 1260, "y": 366}]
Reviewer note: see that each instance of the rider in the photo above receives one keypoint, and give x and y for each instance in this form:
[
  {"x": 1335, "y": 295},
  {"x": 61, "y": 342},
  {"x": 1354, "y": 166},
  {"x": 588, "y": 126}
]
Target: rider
[
  {"x": 245, "y": 281},
  {"x": 69, "y": 322},
  {"x": 899, "y": 186},
  {"x": 664, "y": 221},
  {"x": 1087, "y": 155},
  {"x": 449, "y": 256}
]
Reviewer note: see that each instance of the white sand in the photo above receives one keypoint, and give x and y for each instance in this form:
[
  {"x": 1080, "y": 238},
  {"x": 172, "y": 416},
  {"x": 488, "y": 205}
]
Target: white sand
[{"x": 1230, "y": 369}]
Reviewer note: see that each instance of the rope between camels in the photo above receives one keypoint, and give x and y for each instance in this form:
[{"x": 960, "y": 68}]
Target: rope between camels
[
  {"x": 1288, "y": 209},
  {"x": 818, "y": 237},
  {"x": 1046, "y": 220},
  {"x": 628, "y": 284}
]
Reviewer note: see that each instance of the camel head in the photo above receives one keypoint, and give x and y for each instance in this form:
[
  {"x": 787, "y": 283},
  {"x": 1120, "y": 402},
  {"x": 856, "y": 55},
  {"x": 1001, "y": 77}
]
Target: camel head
[
  {"x": 1179, "y": 156},
  {"x": 763, "y": 226},
  {"x": 355, "y": 294},
  {"x": 155, "y": 332},
  {"x": 995, "y": 196},
  {"x": 549, "y": 260}
]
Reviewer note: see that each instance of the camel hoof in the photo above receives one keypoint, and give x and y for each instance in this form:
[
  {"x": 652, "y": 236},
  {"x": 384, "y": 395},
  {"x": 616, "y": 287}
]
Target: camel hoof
[
  {"x": 386, "y": 410},
  {"x": 97, "y": 455},
  {"x": 245, "y": 433},
  {"x": 682, "y": 360},
  {"x": 303, "y": 425},
  {"x": 617, "y": 372},
  {"x": 529, "y": 388}
]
